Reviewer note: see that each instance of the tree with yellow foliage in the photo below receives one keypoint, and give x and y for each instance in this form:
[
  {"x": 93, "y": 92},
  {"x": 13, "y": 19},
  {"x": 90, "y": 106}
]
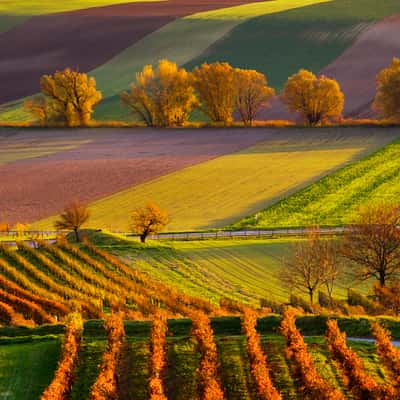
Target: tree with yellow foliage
[
  {"x": 252, "y": 94},
  {"x": 68, "y": 97},
  {"x": 215, "y": 87},
  {"x": 149, "y": 220},
  {"x": 73, "y": 217},
  {"x": 315, "y": 99},
  {"x": 163, "y": 96},
  {"x": 387, "y": 100}
]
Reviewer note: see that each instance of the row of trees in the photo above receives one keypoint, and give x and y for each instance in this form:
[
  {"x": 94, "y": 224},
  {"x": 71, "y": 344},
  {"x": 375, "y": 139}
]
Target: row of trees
[
  {"x": 147, "y": 220},
  {"x": 371, "y": 245},
  {"x": 167, "y": 95}
]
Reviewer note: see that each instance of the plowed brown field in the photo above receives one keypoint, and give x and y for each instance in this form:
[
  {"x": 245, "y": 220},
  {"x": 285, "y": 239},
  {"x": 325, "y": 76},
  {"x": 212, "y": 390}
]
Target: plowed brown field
[
  {"x": 357, "y": 67},
  {"x": 113, "y": 160}
]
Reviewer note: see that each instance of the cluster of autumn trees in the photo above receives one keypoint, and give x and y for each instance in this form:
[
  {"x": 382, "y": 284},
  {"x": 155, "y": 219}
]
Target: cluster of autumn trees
[
  {"x": 61, "y": 385},
  {"x": 371, "y": 246},
  {"x": 166, "y": 95}
]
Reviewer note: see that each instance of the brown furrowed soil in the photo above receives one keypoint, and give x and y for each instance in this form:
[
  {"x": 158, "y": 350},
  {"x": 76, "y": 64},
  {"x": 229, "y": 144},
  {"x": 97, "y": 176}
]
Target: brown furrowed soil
[
  {"x": 111, "y": 160},
  {"x": 358, "y": 66},
  {"x": 83, "y": 39}
]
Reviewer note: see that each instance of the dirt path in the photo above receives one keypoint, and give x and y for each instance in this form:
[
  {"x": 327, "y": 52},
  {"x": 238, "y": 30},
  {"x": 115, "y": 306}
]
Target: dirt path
[
  {"x": 115, "y": 159},
  {"x": 83, "y": 39}
]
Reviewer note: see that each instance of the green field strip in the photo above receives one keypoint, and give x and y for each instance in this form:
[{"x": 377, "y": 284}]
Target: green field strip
[
  {"x": 140, "y": 373},
  {"x": 179, "y": 41},
  {"x": 235, "y": 368},
  {"x": 242, "y": 270},
  {"x": 324, "y": 364},
  {"x": 183, "y": 361},
  {"x": 312, "y": 37},
  {"x": 367, "y": 353},
  {"x": 88, "y": 367},
  {"x": 27, "y": 369},
  {"x": 241, "y": 183},
  {"x": 335, "y": 199},
  {"x": 274, "y": 349},
  {"x": 189, "y": 276}
]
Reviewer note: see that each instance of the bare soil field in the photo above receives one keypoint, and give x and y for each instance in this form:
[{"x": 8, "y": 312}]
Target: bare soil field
[
  {"x": 357, "y": 68},
  {"x": 101, "y": 162},
  {"x": 83, "y": 39}
]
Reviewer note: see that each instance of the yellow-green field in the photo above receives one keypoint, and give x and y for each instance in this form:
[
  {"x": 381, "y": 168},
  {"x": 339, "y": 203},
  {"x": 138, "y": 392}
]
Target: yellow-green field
[
  {"x": 39, "y": 7},
  {"x": 15, "y": 12},
  {"x": 244, "y": 270},
  {"x": 221, "y": 191}
]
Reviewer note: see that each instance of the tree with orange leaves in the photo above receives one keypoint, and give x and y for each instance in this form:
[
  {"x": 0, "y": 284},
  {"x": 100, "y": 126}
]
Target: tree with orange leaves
[
  {"x": 73, "y": 217},
  {"x": 215, "y": 87},
  {"x": 149, "y": 220},
  {"x": 316, "y": 99},
  {"x": 68, "y": 97},
  {"x": 387, "y": 100},
  {"x": 163, "y": 96},
  {"x": 252, "y": 94}
]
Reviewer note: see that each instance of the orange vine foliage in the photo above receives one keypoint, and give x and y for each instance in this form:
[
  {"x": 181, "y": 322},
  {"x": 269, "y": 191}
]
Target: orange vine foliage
[
  {"x": 208, "y": 370},
  {"x": 158, "y": 356},
  {"x": 258, "y": 361},
  {"x": 60, "y": 387},
  {"x": 105, "y": 387},
  {"x": 313, "y": 385},
  {"x": 174, "y": 300},
  {"x": 50, "y": 306},
  {"x": 388, "y": 353},
  {"x": 9, "y": 316},
  {"x": 363, "y": 386},
  {"x": 27, "y": 308}
]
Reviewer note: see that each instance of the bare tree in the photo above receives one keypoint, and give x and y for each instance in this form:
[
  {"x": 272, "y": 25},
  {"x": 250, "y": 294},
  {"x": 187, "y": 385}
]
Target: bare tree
[
  {"x": 311, "y": 265},
  {"x": 73, "y": 217},
  {"x": 372, "y": 243},
  {"x": 333, "y": 265}
]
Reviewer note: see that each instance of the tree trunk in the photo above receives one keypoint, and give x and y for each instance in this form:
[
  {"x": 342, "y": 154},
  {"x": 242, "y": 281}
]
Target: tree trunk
[
  {"x": 311, "y": 294},
  {"x": 76, "y": 234},
  {"x": 382, "y": 278},
  {"x": 143, "y": 237}
]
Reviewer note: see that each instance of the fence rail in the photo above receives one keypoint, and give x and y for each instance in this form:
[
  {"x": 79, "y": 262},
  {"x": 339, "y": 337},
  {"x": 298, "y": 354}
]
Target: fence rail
[
  {"x": 13, "y": 236},
  {"x": 237, "y": 234}
]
